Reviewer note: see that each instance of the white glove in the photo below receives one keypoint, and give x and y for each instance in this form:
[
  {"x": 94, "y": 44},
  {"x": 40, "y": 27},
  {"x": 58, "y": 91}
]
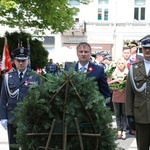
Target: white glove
[{"x": 4, "y": 123}]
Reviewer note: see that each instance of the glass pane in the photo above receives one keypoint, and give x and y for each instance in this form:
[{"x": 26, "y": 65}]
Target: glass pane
[
  {"x": 102, "y": 1},
  {"x": 106, "y": 14},
  {"x": 99, "y": 14},
  {"x": 136, "y": 13},
  {"x": 73, "y": 2},
  {"x": 77, "y": 19},
  {"x": 142, "y": 13},
  {"x": 139, "y": 2}
]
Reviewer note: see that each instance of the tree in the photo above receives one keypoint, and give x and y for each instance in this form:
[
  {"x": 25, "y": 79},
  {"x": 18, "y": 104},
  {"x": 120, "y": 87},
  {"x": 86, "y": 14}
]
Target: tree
[
  {"x": 38, "y": 53},
  {"x": 49, "y": 14}
]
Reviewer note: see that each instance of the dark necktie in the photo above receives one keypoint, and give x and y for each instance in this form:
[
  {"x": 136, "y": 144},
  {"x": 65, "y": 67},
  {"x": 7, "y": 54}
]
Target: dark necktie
[{"x": 20, "y": 77}]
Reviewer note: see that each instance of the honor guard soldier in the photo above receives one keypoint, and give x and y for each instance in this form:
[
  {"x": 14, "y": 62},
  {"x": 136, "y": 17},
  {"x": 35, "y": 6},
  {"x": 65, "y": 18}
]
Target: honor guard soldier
[
  {"x": 138, "y": 98},
  {"x": 15, "y": 87}
]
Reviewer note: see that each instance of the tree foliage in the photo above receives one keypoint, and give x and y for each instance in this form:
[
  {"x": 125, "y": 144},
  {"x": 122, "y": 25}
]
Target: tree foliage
[
  {"x": 7, "y": 4},
  {"x": 39, "y": 56},
  {"x": 64, "y": 98},
  {"x": 55, "y": 15}
]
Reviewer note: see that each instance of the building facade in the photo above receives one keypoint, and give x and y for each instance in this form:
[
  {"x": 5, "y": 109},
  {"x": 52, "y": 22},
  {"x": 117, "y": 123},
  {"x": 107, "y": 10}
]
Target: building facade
[{"x": 106, "y": 24}]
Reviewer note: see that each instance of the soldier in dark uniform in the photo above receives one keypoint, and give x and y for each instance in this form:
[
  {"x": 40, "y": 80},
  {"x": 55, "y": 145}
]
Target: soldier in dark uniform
[
  {"x": 138, "y": 98},
  {"x": 15, "y": 87},
  {"x": 99, "y": 59}
]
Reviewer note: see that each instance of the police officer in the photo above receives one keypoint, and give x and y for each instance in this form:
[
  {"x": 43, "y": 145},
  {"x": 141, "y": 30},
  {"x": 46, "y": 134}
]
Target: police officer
[
  {"x": 14, "y": 88},
  {"x": 138, "y": 98},
  {"x": 99, "y": 59}
]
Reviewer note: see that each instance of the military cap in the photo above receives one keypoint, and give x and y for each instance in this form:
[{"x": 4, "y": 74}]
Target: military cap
[
  {"x": 102, "y": 53},
  {"x": 21, "y": 53},
  {"x": 97, "y": 54},
  {"x": 145, "y": 42},
  {"x": 109, "y": 57},
  {"x": 132, "y": 44}
]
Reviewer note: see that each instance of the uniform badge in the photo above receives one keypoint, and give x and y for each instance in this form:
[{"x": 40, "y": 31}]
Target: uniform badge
[
  {"x": 10, "y": 76},
  {"x": 22, "y": 50},
  {"x": 30, "y": 77},
  {"x": 26, "y": 83},
  {"x": 136, "y": 66}
]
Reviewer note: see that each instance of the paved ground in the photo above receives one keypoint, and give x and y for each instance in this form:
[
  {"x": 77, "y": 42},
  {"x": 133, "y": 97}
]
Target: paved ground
[
  {"x": 3, "y": 139},
  {"x": 128, "y": 144}
]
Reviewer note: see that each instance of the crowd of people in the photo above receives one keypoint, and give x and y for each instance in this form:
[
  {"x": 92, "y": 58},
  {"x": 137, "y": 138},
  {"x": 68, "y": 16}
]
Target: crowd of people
[
  {"x": 124, "y": 81},
  {"x": 130, "y": 92},
  {"x": 112, "y": 84}
]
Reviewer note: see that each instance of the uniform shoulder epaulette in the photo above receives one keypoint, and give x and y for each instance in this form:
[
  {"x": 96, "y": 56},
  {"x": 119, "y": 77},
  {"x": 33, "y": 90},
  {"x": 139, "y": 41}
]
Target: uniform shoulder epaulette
[{"x": 137, "y": 63}]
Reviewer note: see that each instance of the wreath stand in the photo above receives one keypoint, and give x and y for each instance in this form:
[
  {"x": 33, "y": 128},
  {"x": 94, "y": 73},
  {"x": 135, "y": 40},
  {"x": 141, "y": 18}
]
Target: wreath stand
[{"x": 64, "y": 132}]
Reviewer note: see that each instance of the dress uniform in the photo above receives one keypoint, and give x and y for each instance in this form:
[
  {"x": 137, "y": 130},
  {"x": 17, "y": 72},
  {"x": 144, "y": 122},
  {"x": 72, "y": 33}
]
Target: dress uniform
[
  {"x": 15, "y": 87},
  {"x": 138, "y": 98},
  {"x": 99, "y": 58}
]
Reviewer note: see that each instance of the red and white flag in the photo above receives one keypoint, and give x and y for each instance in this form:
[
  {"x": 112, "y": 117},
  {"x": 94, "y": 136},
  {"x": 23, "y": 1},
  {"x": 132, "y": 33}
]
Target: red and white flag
[{"x": 6, "y": 59}]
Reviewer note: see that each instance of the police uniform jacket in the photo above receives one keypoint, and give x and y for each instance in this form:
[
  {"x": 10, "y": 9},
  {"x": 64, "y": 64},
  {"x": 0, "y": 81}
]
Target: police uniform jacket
[
  {"x": 138, "y": 93},
  {"x": 98, "y": 73},
  {"x": 13, "y": 91}
]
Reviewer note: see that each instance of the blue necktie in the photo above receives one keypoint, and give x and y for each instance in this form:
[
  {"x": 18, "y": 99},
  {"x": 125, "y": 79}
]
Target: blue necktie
[{"x": 83, "y": 69}]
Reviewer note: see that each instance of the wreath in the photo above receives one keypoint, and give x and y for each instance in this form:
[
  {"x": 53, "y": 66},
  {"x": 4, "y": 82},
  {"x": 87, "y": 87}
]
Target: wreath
[
  {"x": 119, "y": 86},
  {"x": 64, "y": 112}
]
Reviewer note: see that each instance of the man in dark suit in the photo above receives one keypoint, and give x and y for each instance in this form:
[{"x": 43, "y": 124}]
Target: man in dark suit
[
  {"x": 84, "y": 53},
  {"x": 138, "y": 98},
  {"x": 15, "y": 87}
]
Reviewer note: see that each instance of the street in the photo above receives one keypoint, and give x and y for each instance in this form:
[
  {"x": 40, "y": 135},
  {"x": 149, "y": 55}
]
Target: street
[
  {"x": 3, "y": 139},
  {"x": 128, "y": 144}
]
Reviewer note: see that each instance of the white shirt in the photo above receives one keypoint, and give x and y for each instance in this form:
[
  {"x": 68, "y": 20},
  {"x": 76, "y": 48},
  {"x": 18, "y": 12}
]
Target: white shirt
[
  {"x": 22, "y": 72},
  {"x": 80, "y": 67},
  {"x": 147, "y": 66}
]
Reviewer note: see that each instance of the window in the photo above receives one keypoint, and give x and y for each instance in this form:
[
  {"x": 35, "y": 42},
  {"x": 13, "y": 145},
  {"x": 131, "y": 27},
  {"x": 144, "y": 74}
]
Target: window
[
  {"x": 76, "y": 19},
  {"x": 99, "y": 14},
  {"x": 103, "y": 10},
  {"x": 74, "y": 2},
  {"x": 139, "y": 10},
  {"x": 106, "y": 14},
  {"x": 102, "y": 1}
]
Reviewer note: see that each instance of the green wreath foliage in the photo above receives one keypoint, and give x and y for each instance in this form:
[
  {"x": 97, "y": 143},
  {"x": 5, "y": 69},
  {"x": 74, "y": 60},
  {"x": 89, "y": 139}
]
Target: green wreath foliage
[
  {"x": 120, "y": 86},
  {"x": 58, "y": 101}
]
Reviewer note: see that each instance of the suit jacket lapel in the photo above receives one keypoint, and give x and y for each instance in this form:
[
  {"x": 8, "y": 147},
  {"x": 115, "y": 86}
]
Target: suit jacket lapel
[{"x": 76, "y": 67}]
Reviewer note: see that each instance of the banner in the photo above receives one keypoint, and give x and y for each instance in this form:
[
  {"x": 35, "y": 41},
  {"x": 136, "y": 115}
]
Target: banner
[{"x": 6, "y": 59}]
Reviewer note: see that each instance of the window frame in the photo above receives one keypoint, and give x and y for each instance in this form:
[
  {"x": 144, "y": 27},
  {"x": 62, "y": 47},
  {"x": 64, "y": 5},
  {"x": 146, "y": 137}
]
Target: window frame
[
  {"x": 103, "y": 10},
  {"x": 139, "y": 10}
]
